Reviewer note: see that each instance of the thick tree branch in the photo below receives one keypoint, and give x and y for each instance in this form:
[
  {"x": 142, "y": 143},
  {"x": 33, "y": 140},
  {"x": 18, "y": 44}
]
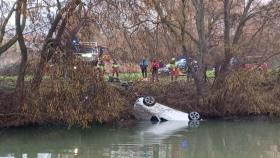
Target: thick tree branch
[
  {"x": 4, "y": 24},
  {"x": 244, "y": 18}
]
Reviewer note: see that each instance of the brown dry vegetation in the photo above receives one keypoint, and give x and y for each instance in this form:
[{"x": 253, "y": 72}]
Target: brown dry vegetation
[
  {"x": 71, "y": 97},
  {"x": 74, "y": 97},
  {"x": 209, "y": 31},
  {"x": 10, "y": 112},
  {"x": 62, "y": 100},
  {"x": 246, "y": 93}
]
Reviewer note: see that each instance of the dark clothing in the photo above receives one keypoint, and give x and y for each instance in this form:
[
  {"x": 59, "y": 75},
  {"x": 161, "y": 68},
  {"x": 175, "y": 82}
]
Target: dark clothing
[
  {"x": 155, "y": 75},
  {"x": 194, "y": 66},
  {"x": 155, "y": 71},
  {"x": 144, "y": 72},
  {"x": 189, "y": 71},
  {"x": 143, "y": 66},
  {"x": 161, "y": 65},
  {"x": 205, "y": 74}
]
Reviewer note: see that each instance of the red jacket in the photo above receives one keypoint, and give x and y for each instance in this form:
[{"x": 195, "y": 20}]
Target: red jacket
[{"x": 155, "y": 64}]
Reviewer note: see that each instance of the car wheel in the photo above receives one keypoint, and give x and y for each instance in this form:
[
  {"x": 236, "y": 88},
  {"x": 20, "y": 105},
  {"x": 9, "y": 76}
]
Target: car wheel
[
  {"x": 194, "y": 116},
  {"x": 149, "y": 101}
]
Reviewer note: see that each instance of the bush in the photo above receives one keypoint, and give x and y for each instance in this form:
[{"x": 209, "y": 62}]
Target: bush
[
  {"x": 245, "y": 93},
  {"x": 73, "y": 97}
]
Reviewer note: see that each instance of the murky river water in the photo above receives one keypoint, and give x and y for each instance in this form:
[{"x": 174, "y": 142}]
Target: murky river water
[{"x": 211, "y": 139}]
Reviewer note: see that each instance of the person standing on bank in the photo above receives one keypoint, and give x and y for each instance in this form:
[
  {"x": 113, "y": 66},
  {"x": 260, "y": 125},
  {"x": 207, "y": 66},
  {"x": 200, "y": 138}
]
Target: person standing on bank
[
  {"x": 154, "y": 70},
  {"x": 115, "y": 68},
  {"x": 143, "y": 66},
  {"x": 101, "y": 69},
  {"x": 173, "y": 69}
]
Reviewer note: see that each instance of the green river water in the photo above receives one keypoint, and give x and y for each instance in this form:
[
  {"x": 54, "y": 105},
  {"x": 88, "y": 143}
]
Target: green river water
[{"x": 211, "y": 139}]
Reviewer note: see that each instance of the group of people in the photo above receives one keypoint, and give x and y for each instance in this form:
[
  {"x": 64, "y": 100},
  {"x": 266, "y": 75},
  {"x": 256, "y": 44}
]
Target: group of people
[
  {"x": 190, "y": 67},
  {"x": 153, "y": 68},
  {"x": 101, "y": 68},
  {"x": 173, "y": 69},
  {"x": 153, "y": 65}
]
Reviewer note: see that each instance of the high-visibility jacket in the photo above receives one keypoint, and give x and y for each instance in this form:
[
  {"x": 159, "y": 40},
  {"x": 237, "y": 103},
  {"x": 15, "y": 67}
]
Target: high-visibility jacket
[
  {"x": 172, "y": 66},
  {"x": 101, "y": 66},
  {"x": 115, "y": 65}
]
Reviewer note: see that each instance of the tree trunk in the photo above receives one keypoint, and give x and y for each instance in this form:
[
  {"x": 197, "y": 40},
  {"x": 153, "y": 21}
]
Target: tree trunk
[
  {"x": 21, "y": 10},
  {"x": 227, "y": 45},
  {"x": 220, "y": 70},
  {"x": 183, "y": 27},
  {"x": 202, "y": 46},
  {"x": 44, "y": 54}
]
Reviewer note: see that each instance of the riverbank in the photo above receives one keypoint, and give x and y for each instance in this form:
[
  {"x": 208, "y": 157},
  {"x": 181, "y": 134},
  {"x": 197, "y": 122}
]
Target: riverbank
[{"x": 248, "y": 96}]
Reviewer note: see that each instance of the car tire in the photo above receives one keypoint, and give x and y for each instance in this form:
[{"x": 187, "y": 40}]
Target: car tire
[
  {"x": 194, "y": 116},
  {"x": 149, "y": 101}
]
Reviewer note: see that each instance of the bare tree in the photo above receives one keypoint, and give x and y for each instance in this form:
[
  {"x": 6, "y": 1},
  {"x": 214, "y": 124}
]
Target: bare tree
[
  {"x": 50, "y": 44},
  {"x": 21, "y": 15},
  {"x": 231, "y": 40}
]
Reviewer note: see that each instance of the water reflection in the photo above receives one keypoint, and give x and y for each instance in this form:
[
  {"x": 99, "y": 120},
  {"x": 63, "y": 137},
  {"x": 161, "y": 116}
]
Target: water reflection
[
  {"x": 155, "y": 133},
  {"x": 165, "y": 140}
]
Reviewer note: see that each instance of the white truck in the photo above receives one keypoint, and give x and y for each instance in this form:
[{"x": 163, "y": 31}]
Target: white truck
[{"x": 89, "y": 51}]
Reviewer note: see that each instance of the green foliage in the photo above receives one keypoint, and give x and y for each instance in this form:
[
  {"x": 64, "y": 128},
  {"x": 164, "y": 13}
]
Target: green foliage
[{"x": 130, "y": 76}]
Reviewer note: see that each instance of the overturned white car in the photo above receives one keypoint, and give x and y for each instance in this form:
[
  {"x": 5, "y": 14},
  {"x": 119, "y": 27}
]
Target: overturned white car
[{"x": 146, "y": 108}]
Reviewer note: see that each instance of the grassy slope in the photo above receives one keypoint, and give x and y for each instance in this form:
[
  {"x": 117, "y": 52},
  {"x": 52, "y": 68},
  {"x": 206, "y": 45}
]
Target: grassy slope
[{"x": 122, "y": 76}]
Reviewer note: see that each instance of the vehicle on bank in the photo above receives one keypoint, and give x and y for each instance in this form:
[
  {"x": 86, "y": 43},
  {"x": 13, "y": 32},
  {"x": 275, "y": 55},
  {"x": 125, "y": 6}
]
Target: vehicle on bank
[
  {"x": 181, "y": 63},
  {"x": 146, "y": 108},
  {"x": 164, "y": 71},
  {"x": 90, "y": 52},
  {"x": 249, "y": 63},
  {"x": 254, "y": 62}
]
